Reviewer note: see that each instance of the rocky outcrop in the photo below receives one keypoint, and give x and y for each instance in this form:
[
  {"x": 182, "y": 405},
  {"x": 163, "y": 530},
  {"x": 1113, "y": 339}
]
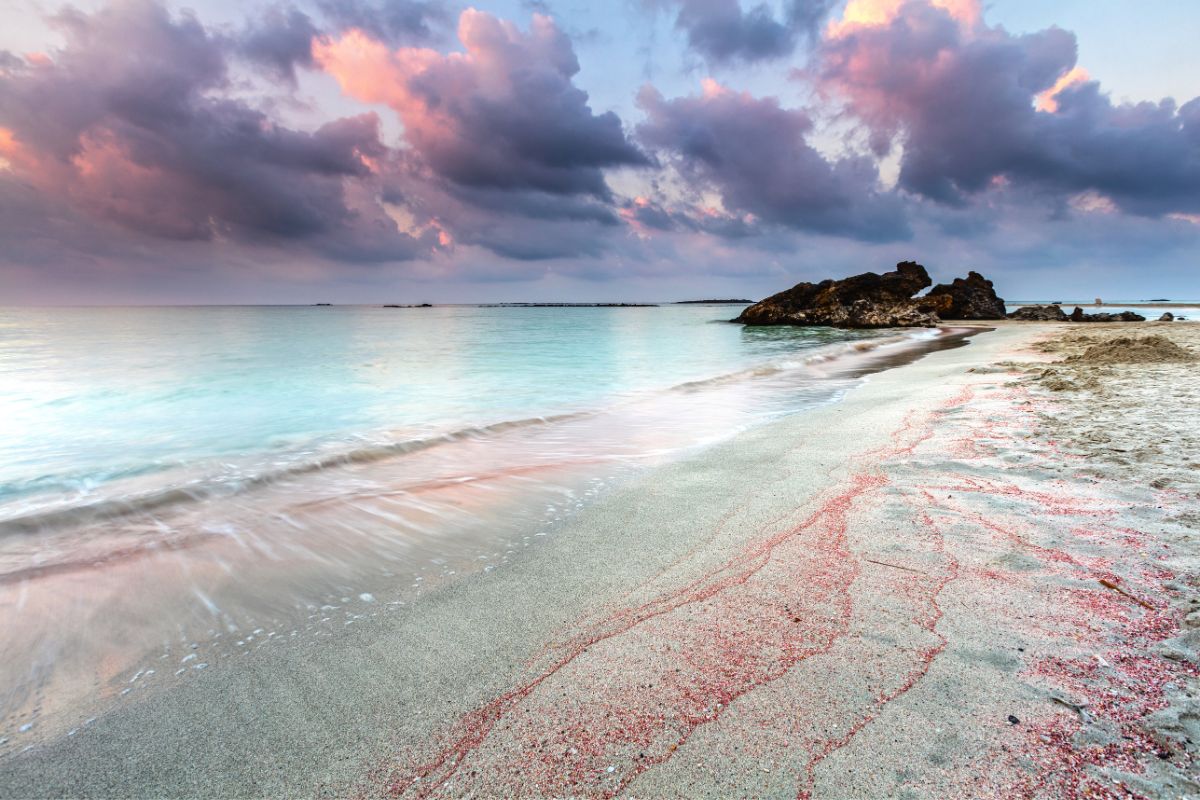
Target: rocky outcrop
[
  {"x": 1167, "y": 317},
  {"x": 1039, "y": 314},
  {"x": 1125, "y": 316},
  {"x": 869, "y": 300},
  {"x": 1056, "y": 314},
  {"x": 972, "y": 297}
]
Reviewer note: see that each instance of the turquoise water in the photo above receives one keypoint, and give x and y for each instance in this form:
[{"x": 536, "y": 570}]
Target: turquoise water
[
  {"x": 178, "y": 483},
  {"x": 89, "y": 396}
]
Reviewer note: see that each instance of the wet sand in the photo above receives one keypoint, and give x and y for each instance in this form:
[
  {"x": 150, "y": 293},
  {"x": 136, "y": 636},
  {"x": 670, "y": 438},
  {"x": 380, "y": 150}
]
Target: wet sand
[{"x": 957, "y": 582}]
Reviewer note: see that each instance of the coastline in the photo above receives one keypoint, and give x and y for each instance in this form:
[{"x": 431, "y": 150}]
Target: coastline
[
  {"x": 1145, "y": 304},
  {"x": 851, "y": 601}
]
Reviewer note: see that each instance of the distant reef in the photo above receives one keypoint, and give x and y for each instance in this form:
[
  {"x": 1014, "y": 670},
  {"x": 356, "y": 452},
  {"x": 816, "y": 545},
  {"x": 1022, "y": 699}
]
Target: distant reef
[
  {"x": 569, "y": 305},
  {"x": 712, "y": 302},
  {"x": 873, "y": 300}
]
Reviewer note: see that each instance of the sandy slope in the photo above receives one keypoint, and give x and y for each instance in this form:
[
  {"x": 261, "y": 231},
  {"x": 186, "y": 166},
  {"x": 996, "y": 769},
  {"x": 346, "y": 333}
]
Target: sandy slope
[{"x": 908, "y": 594}]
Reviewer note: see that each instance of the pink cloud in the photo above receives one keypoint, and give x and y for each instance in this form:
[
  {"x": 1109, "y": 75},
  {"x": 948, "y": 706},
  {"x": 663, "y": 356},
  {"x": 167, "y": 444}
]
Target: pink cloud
[
  {"x": 968, "y": 103},
  {"x": 860, "y": 14},
  {"x": 503, "y": 114},
  {"x": 1048, "y": 100}
]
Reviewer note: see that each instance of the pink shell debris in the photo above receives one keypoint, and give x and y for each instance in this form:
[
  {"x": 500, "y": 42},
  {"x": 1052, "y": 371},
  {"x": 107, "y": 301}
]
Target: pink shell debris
[{"x": 625, "y": 690}]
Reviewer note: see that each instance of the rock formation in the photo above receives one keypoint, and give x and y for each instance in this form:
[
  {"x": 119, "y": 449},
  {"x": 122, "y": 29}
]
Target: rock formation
[
  {"x": 1167, "y": 317},
  {"x": 965, "y": 298},
  {"x": 1125, "y": 316},
  {"x": 1056, "y": 314},
  {"x": 869, "y": 300},
  {"x": 1039, "y": 314}
]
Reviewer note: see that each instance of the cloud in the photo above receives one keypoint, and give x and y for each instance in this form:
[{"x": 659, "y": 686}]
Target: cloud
[
  {"x": 975, "y": 106},
  {"x": 502, "y": 115},
  {"x": 722, "y": 31},
  {"x": 520, "y": 224},
  {"x": 859, "y": 14},
  {"x": 647, "y": 216},
  {"x": 146, "y": 155},
  {"x": 127, "y": 123},
  {"x": 280, "y": 40},
  {"x": 393, "y": 21},
  {"x": 502, "y": 150},
  {"x": 754, "y": 154}
]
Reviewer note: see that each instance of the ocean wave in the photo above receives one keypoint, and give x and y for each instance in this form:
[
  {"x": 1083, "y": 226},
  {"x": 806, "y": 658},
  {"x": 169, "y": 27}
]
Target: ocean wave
[
  {"x": 79, "y": 512},
  {"x": 827, "y": 355},
  {"x": 203, "y": 489}
]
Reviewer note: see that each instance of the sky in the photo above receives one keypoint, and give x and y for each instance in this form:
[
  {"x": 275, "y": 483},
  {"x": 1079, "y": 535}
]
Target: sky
[{"x": 407, "y": 151}]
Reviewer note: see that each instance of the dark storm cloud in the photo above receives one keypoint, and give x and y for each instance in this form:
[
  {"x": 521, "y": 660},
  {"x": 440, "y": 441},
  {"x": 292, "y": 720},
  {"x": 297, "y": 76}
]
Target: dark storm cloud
[
  {"x": 280, "y": 40},
  {"x": 537, "y": 205},
  {"x": 127, "y": 123},
  {"x": 754, "y": 153},
  {"x": 525, "y": 225},
  {"x": 534, "y": 241},
  {"x": 721, "y": 30},
  {"x": 973, "y": 105}
]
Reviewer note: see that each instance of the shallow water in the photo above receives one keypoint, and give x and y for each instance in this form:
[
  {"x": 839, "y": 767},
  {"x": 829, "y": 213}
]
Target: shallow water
[{"x": 176, "y": 484}]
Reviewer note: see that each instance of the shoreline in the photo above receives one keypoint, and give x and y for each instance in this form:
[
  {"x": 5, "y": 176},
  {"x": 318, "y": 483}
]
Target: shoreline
[
  {"x": 796, "y": 610},
  {"x": 1164, "y": 304},
  {"x": 146, "y": 589}
]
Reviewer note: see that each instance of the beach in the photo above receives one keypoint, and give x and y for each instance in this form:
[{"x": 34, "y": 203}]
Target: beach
[{"x": 972, "y": 576}]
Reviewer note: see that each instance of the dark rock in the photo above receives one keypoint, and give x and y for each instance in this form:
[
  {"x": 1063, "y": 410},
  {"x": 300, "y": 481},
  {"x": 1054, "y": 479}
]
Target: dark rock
[
  {"x": 1039, "y": 314},
  {"x": 965, "y": 298},
  {"x": 869, "y": 300},
  {"x": 1125, "y": 316},
  {"x": 1167, "y": 317},
  {"x": 1055, "y": 314}
]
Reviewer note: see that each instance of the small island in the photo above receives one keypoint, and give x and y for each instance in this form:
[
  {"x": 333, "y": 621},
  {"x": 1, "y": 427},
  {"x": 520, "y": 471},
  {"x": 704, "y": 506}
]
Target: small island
[
  {"x": 568, "y": 305},
  {"x": 713, "y": 302}
]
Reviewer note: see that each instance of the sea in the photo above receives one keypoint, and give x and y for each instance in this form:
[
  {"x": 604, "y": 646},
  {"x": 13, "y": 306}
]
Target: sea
[{"x": 182, "y": 484}]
